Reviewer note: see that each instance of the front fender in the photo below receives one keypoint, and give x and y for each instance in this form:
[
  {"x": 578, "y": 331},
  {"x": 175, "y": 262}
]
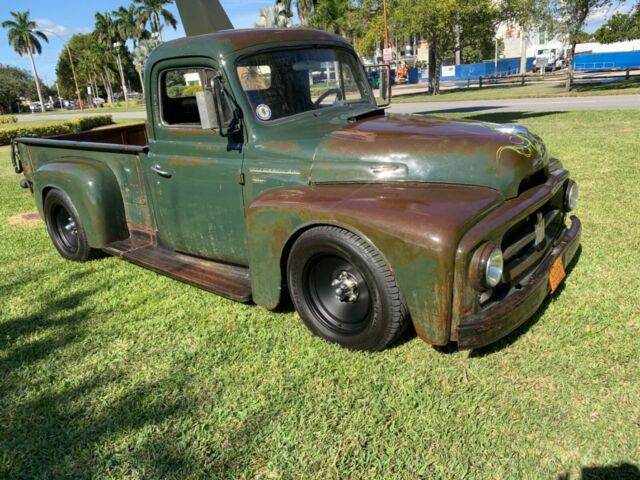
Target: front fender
[
  {"x": 93, "y": 189},
  {"x": 416, "y": 227}
]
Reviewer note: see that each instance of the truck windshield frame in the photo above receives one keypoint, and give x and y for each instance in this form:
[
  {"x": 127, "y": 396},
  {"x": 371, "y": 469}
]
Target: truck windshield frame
[{"x": 287, "y": 82}]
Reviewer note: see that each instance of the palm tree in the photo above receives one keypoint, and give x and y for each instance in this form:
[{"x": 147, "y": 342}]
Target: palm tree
[
  {"x": 152, "y": 10},
  {"x": 128, "y": 23},
  {"x": 305, "y": 9},
  {"x": 106, "y": 32},
  {"x": 25, "y": 39},
  {"x": 140, "y": 55}
]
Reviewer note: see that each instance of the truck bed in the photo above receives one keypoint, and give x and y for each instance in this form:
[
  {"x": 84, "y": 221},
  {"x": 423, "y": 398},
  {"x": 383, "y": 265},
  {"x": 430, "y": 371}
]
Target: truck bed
[
  {"x": 119, "y": 149},
  {"x": 127, "y": 138},
  {"x": 125, "y": 135}
]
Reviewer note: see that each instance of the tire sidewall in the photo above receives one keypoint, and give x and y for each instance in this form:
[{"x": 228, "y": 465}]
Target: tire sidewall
[
  {"x": 57, "y": 198},
  {"x": 323, "y": 242}
]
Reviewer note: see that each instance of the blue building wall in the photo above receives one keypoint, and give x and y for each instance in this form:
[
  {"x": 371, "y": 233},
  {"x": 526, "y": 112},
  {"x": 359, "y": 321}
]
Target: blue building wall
[
  {"x": 585, "y": 62},
  {"x": 507, "y": 66}
]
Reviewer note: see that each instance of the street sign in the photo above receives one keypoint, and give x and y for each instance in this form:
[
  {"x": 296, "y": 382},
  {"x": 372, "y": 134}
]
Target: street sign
[{"x": 387, "y": 54}]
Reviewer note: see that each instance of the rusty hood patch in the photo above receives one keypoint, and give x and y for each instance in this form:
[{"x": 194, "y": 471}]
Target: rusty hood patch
[{"x": 430, "y": 149}]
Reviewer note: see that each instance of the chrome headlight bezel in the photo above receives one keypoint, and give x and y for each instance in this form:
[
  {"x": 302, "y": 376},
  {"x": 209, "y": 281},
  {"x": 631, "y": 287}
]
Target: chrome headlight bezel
[
  {"x": 571, "y": 195},
  {"x": 487, "y": 267}
]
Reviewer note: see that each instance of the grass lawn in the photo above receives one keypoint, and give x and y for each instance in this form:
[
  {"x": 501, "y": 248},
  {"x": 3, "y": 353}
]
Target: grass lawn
[
  {"x": 528, "y": 91},
  {"x": 111, "y": 371}
]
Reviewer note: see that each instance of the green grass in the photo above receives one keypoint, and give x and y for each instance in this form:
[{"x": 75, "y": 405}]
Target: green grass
[
  {"x": 528, "y": 91},
  {"x": 111, "y": 371}
]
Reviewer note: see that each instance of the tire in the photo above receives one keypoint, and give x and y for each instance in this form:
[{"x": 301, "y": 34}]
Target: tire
[
  {"x": 65, "y": 229},
  {"x": 344, "y": 291}
]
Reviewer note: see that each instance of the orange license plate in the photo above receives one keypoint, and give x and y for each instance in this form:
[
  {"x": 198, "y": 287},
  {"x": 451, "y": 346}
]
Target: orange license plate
[{"x": 557, "y": 274}]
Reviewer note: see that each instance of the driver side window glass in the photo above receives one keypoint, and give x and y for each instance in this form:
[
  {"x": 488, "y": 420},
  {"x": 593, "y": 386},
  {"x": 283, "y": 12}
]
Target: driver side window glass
[
  {"x": 323, "y": 80},
  {"x": 186, "y": 98},
  {"x": 352, "y": 91}
]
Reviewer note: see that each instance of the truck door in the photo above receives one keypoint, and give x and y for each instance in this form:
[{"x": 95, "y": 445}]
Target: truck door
[{"x": 193, "y": 172}]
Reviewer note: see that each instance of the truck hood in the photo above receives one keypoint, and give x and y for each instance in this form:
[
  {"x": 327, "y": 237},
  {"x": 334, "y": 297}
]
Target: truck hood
[{"x": 430, "y": 149}]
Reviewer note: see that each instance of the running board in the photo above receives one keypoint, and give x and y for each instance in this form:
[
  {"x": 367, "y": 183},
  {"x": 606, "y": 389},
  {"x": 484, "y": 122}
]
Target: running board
[{"x": 225, "y": 280}]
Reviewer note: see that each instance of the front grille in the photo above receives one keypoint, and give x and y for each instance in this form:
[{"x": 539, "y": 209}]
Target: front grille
[{"x": 526, "y": 243}]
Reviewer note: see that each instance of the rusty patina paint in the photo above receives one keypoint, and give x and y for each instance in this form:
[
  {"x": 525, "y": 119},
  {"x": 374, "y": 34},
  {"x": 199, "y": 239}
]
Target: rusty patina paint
[
  {"x": 431, "y": 149},
  {"x": 424, "y": 191},
  {"x": 416, "y": 227}
]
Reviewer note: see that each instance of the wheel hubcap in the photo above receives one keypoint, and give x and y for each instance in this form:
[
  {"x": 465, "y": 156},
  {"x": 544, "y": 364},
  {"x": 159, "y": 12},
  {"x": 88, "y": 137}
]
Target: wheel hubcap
[
  {"x": 346, "y": 287},
  {"x": 66, "y": 230},
  {"x": 338, "y": 294},
  {"x": 71, "y": 227}
]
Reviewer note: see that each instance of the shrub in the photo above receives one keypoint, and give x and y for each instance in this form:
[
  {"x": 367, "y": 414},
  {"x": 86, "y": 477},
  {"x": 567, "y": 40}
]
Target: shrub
[
  {"x": 4, "y": 119},
  {"x": 45, "y": 129}
]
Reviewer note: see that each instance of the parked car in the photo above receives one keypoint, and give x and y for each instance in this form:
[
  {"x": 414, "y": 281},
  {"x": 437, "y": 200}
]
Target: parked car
[
  {"x": 98, "y": 101},
  {"x": 35, "y": 107},
  {"x": 254, "y": 182}
]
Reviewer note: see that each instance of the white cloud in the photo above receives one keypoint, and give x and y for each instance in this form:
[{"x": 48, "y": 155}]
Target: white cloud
[
  {"x": 601, "y": 15},
  {"x": 49, "y": 26}
]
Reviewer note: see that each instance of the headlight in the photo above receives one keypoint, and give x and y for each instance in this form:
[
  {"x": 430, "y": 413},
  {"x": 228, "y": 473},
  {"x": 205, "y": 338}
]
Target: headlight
[
  {"x": 487, "y": 267},
  {"x": 571, "y": 196}
]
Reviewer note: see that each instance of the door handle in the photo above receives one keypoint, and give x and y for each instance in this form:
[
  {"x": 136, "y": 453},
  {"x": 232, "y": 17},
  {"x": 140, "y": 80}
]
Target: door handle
[{"x": 157, "y": 169}]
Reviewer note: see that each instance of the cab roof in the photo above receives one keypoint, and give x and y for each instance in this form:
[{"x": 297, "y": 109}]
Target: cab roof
[{"x": 227, "y": 42}]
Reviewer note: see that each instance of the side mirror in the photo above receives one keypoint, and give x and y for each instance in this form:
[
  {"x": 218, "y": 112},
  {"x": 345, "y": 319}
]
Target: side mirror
[
  {"x": 228, "y": 118},
  {"x": 206, "y": 109}
]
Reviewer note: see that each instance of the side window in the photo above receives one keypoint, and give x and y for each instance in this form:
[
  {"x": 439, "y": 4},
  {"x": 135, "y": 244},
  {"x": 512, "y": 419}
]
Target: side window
[
  {"x": 352, "y": 90},
  {"x": 187, "y": 98}
]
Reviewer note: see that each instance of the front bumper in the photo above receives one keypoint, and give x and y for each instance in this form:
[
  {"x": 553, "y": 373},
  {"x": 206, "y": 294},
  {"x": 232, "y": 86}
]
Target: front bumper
[{"x": 496, "y": 321}]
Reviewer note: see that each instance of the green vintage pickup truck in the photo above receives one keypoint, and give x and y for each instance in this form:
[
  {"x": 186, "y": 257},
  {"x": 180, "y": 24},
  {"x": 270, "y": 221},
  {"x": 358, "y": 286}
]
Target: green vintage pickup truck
[{"x": 266, "y": 169}]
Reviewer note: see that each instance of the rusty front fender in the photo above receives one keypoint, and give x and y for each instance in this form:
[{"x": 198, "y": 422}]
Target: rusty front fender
[{"x": 416, "y": 227}]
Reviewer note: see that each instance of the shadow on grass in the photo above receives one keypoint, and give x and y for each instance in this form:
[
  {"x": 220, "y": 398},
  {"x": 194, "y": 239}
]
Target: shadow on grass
[
  {"x": 513, "y": 337},
  {"x": 478, "y": 108},
  {"x": 64, "y": 415},
  {"x": 621, "y": 471},
  {"x": 509, "y": 117},
  {"x": 49, "y": 420},
  {"x": 605, "y": 86}
]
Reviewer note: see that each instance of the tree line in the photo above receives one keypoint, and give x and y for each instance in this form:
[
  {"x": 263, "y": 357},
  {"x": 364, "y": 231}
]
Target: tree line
[
  {"x": 100, "y": 60},
  {"x": 466, "y": 30},
  {"x": 461, "y": 29}
]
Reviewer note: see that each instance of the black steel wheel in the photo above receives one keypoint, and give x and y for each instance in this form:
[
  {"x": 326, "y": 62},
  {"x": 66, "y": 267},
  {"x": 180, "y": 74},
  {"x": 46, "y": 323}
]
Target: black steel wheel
[
  {"x": 344, "y": 291},
  {"x": 65, "y": 229}
]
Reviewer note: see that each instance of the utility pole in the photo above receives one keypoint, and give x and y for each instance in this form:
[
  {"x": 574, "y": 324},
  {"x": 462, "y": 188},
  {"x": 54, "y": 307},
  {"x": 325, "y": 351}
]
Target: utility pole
[
  {"x": 73, "y": 68},
  {"x": 385, "y": 86},
  {"x": 386, "y": 26},
  {"x": 59, "y": 97},
  {"x": 75, "y": 78},
  {"x": 495, "y": 65}
]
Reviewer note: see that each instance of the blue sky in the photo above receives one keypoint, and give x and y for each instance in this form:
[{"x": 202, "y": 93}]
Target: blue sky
[{"x": 67, "y": 17}]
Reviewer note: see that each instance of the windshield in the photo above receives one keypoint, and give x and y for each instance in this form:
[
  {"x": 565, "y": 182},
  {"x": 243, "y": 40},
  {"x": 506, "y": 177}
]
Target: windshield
[{"x": 282, "y": 83}]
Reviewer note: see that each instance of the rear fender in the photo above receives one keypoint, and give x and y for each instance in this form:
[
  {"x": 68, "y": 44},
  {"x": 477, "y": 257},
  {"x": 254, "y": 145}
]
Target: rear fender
[
  {"x": 94, "y": 190},
  {"x": 416, "y": 227}
]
